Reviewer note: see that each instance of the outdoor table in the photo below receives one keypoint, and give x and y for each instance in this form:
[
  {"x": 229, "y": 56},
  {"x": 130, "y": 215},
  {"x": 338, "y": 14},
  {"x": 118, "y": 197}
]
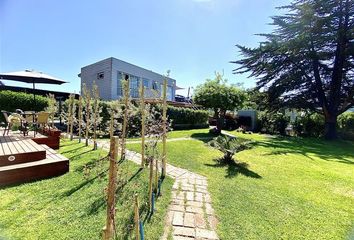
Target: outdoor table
[{"x": 29, "y": 113}]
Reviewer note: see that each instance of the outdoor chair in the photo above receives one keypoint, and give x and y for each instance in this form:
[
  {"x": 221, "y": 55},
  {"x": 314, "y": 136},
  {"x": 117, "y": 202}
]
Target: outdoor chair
[
  {"x": 42, "y": 119},
  {"x": 7, "y": 122}
]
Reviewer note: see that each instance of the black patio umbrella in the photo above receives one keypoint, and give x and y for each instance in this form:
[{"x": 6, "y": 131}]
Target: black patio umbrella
[{"x": 31, "y": 76}]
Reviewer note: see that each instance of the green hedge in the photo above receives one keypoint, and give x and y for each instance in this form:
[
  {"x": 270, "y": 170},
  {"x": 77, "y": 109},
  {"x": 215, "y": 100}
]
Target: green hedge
[
  {"x": 180, "y": 118},
  {"x": 10, "y": 101},
  {"x": 187, "y": 116}
]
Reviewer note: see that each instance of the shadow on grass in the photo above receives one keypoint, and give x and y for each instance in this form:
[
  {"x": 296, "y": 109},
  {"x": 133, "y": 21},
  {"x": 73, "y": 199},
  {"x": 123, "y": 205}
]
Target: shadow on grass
[
  {"x": 99, "y": 202},
  {"x": 234, "y": 168},
  {"x": 71, "y": 150},
  {"x": 204, "y": 137},
  {"x": 335, "y": 151},
  {"x": 83, "y": 184},
  {"x": 80, "y": 154}
]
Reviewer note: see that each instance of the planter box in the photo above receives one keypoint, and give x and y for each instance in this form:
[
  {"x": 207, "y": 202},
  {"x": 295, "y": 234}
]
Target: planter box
[{"x": 52, "y": 138}]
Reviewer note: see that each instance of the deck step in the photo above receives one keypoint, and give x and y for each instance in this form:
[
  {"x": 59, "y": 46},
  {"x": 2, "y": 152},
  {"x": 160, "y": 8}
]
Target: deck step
[
  {"x": 14, "y": 150},
  {"x": 54, "y": 165}
]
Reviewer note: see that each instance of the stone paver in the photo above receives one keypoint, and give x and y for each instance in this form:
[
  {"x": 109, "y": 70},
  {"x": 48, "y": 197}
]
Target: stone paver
[
  {"x": 190, "y": 215},
  {"x": 205, "y": 234}
]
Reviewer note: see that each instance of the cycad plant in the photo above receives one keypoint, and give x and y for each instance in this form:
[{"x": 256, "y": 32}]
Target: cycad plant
[{"x": 229, "y": 146}]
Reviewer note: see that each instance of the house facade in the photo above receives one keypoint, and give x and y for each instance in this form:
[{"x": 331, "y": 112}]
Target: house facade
[{"x": 108, "y": 75}]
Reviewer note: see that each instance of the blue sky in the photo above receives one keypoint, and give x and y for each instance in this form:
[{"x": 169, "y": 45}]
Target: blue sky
[{"x": 192, "y": 38}]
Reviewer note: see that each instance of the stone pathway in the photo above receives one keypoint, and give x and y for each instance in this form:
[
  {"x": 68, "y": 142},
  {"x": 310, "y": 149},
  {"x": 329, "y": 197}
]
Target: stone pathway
[{"x": 190, "y": 214}]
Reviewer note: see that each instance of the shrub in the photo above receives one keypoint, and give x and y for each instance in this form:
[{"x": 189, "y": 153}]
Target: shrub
[
  {"x": 346, "y": 126},
  {"x": 10, "y": 101},
  {"x": 229, "y": 146},
  {"x": 190, "y": 118},
  {"x": 272, "y": 123},
  {"x": 311, "y": 125},
  {"x": 346, "y": 121}
]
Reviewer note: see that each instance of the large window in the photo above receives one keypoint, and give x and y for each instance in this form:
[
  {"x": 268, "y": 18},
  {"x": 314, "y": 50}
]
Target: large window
[
  {"x": 120, "y": 77},
  {"x": 169, "y": 93},
  {"x": 146, "y": 83},
  {"x": 134, "y": 82}
]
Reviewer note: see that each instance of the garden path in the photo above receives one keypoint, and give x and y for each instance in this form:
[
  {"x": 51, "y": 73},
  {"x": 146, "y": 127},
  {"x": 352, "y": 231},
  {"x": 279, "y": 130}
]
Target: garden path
[{"x": 190, "y": 214}]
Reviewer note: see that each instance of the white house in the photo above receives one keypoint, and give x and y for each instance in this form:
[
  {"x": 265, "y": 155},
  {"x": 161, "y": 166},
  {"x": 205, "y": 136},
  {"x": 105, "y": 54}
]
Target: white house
[{"x": 108, "y": 74}]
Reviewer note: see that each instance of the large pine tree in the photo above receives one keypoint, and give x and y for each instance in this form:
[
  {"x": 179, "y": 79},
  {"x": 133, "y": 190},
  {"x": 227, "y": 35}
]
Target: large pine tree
[{"x": 308, "y": 59}]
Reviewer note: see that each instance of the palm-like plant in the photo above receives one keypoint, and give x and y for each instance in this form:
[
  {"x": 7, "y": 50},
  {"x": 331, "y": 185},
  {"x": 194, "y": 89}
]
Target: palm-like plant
[{"x": 229, "y": 146}]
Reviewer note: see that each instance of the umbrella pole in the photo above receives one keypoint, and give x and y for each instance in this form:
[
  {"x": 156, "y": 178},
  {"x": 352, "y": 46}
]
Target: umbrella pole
[
  {"x": 34, "y": 96},
  {"x": 34, "y": 107}
]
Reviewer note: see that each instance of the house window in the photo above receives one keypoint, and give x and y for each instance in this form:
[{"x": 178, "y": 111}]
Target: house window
[
  {"x": 100, "y": 75},
  {"x": 146, "y": 82},
  {"x": 155, "y": 86},
  {"x": 169, "y": 93}
]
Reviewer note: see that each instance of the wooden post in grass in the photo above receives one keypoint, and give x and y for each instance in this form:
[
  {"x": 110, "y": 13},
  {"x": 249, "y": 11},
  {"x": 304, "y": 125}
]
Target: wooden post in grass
[
  {"x": 108, "y": 230},
  {"x": 142, "y": 106},
  {"x": 125, "y": 118},
  {"x": 151, "y": 163},
  {"x": 96, "y": 95},
  {"x": 87, "y": 97},
  {"x": 136, "y": 217},
  {"x": 156, "y": 176},
  {"x": 111, "y": 124},
  {"x": 80, "y": 117},
  {"x": 164, "y": 120},
  {"x": 72, "y": 107},
  {"x": 68, "y": 117}
]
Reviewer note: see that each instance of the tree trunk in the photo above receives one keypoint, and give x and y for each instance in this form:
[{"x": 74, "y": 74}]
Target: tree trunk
[{"x": 330, "y": 127}]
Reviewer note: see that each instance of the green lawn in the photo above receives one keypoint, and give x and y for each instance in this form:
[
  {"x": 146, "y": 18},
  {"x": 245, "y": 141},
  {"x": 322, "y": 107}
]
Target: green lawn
[
  {"x": 73, "y": 207},
  {"x": 193, "y": 133},
  {"x": 283, "y": 188}
]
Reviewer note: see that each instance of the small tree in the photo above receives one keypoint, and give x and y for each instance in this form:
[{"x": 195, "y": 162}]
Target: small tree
[
  {"x": 88, "y": 110},
  {"x": 52, "y": 107},
  {"x": 220, "y": 97},
  {"x": 229, "y": 146},
  {"x": 72, "y": 111},
  {"x": 80, "y": 118},
  {"x": 96, "y": 119}
]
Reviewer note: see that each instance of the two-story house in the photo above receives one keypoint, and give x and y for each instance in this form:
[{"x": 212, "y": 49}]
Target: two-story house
[{"x": 108, "y": 75}]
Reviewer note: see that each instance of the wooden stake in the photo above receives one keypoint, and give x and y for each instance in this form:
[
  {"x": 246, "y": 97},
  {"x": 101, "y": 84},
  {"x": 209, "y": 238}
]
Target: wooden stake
[
  {"x": 68, "y": 117},
  {"x": 88, "y": 106},
  {"x": 108, "y": 232},
  {"x": 151, "y": 161},
  {"x": 142, "y": 105},
  {"x": 95, "y": 116},
  {"x": 136, "y": 217},
  {"x": 156, "y": 176},
  {"x": 164, "y": 120},
  {"x": 111, "y": 124},
  {"x": 125, "y": 119},
  {"x": 80, "y": 117},
  {"x": 72, "y": 99}
]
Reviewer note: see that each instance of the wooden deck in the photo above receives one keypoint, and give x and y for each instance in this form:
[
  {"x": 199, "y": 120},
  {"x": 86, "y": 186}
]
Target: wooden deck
[{"x": 22, "y": 159}]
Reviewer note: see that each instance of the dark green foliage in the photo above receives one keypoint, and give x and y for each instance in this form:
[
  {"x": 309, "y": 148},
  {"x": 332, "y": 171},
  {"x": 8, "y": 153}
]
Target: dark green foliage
[
  {"x": 307, "y": 61},
  {"x": 346, "y": 126},
  {"x": 346, "y": 121},
  {"x": 186, "y": 116},
  {"x": 272, "y": 123},
  {"x": 310, "y": 125},
  {"x": 10, "y": 101},
  {"x": 229, "y": 146}
]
